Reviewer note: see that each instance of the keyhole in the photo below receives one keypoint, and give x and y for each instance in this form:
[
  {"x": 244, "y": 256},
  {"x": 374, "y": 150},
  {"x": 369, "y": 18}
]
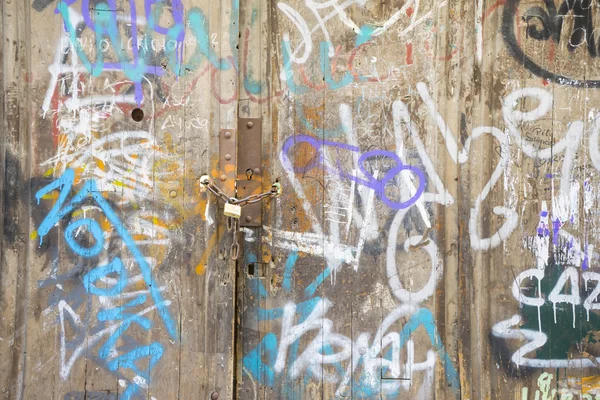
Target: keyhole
[
  {"x": 249, "y": 174},
  {"x": 137, "y": 114}
]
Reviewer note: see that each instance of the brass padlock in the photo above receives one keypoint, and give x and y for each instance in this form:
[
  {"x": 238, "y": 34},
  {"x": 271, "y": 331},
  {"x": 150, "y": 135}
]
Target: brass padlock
[{"x": 233, "y": 210}]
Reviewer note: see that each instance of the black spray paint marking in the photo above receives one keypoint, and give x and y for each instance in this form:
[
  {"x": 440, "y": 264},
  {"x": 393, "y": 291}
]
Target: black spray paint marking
[
  {"x": 551, "y": 20},
  {"x": 39, "y": 5},
  {"x": 90, "y": 396}
]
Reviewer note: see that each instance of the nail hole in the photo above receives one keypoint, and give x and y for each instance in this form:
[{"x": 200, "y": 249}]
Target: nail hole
[{"x": 137, "y": 114}]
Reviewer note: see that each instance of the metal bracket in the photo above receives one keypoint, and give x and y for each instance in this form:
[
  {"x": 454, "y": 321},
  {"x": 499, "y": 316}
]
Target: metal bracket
[
  {"x": 250, "y": 174},
  {"x": 227, "y": 160}
]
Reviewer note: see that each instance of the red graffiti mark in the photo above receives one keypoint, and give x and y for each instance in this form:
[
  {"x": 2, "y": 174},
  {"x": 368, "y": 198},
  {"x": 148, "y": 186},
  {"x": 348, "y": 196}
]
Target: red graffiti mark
[
  {"x": 307, "y": 81},
  {"x": 351, "y": 65},
  {"x": 215, "y": 91},
  {"x": 54, "y": 105},
  {"x": 551, "y": 51},
  {"x": 409, "y": 54},
  {"x": 186, "y": 94},
  {"x": 255, "y": 99},
  {"x": 322, "y": 86},
  {"x": 447, "y": 57},
  {"x": 491, "y": 9}
]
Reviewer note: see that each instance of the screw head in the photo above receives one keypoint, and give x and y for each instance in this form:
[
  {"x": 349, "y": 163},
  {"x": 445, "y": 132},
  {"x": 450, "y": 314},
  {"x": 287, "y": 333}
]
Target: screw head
[
  {"x": 250, "y": 124},
  {"x": 228, "y": 157},
  {"x": 257, "y": 171},
  {"x": 248, "y": 218},
  {"x": 227, "y": 135},
  {"x": 173, "y": 193},
  {"x": 214, "y": 396},
  {"x": 223, "y": 177}
]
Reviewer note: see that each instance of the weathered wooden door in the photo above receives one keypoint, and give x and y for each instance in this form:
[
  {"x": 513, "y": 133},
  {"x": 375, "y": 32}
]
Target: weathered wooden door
[
  {"x": 436, "y": 236},
  {"x": 114, "y": 283}
]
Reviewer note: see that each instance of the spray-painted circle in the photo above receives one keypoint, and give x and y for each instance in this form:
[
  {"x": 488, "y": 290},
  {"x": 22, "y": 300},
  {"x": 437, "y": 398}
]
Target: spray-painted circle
[
  {"x": 94, "y": 229},
  {"x": 399, "y": 291}
]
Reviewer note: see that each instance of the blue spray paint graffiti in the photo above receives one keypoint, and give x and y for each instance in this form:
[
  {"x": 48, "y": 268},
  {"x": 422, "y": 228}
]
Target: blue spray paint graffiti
[
  {"x": 264, "y": 362},
  {"x": 103, "y": 20},
  {"x": 120, "y": 316}
]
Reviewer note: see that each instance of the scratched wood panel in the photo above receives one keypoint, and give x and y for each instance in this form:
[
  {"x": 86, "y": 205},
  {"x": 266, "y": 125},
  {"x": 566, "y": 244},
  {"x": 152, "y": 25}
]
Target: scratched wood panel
[
  {"x": 254, "y": 271},
  {"x": 452, "y": 51},
  {"x": 550, "y": 188},
  {"x": 334, "y": 124},
  {"x": 505, "y": 206},
  {"x": 302, "y": 209},
  {"x": 14, "y": 225},
  {"x": 516, "y": 257},
  {"x": 437, "y": 233},
  {"x": 120, "y": 291}
]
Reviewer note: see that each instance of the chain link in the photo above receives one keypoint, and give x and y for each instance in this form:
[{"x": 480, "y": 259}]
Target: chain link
[
  {"x": 232, "y": 226},
  {"x": 275, "y": 191},
  {"x": 232, "y": 223}
]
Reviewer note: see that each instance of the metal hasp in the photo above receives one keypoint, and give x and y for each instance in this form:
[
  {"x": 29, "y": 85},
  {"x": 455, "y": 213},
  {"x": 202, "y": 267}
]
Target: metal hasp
[
  {"x": 227, "y": 161},
  {"x": 250, "y": 174}
]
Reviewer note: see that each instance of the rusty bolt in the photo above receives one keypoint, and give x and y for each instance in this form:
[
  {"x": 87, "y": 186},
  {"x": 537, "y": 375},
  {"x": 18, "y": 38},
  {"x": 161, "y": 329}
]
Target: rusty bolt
[
  {"x": 228, "y": 157},
  {"x": 227, "y": 135},
  {"x": 223, "y": 177},
  {"x": 248, "y": 218},
  {"x": 257, "y": 171},
  {"x": 250, "y": 124},
  {"x": 214, "y": 396},
  {"x": 173, "y": 193}
]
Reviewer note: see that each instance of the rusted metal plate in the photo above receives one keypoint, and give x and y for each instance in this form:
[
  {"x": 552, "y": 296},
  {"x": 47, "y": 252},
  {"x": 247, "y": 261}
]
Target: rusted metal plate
[
  {"x": 250, "y": 169},
  {"x": 227, "y": 161}
]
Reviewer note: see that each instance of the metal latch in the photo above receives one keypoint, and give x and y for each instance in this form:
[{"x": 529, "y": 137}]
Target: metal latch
[
  {"x": 241, "y": 176},
  {"x": 250, "y": 174},
  {"x": 234, "y": 207},
  {"x": 227, "y": 160}
]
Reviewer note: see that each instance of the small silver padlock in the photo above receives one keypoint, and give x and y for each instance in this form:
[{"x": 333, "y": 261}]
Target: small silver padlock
[{"x": 233, "y": 210}]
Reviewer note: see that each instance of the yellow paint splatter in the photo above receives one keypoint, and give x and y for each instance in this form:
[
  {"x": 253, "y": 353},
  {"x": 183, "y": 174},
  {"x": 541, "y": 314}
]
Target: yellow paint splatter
[
  {"x": 212, "y": 243},
  {"x": 50, "y": 196},
  {"x": 200, "y": 269},
  {"x": 589, "y": 383},
  {"x": 101, "y": 164}
]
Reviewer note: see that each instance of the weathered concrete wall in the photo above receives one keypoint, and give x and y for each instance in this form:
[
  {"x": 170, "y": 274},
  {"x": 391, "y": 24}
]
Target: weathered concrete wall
[{"x": 437, "y": 232}]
